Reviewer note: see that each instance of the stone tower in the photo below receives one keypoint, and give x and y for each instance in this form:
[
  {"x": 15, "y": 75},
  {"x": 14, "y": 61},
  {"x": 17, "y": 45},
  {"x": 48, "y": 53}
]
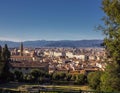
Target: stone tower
[{"x": 21, "y": 49}]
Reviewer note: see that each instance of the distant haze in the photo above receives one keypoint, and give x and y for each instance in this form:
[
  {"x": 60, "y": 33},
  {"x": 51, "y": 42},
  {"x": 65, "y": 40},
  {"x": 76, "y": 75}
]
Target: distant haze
[{"x": 60, "y": 43}]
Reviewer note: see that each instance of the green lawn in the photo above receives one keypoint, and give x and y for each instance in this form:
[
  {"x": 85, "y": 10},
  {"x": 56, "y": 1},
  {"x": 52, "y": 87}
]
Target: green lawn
[
  {"x": 74, "y": 87},
  {"x": 59, "y": 87},
  {"x": 23, "y": 86}
]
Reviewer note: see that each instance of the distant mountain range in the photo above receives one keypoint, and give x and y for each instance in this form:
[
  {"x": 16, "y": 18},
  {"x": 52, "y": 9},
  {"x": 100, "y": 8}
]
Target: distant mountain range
[{"x": 61, "y": 43}]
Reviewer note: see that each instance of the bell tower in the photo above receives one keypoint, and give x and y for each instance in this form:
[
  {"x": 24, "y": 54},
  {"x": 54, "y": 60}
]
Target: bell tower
[{"x": 21, "y": 49}]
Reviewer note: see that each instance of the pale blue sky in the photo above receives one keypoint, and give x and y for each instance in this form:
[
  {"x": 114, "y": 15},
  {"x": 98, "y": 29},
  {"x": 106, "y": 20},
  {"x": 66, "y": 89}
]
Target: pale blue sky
[{"x": 22, "y": 20}]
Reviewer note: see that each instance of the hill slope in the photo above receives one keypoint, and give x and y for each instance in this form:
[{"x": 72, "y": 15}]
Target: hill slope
[{"x": 62, "y": 43}]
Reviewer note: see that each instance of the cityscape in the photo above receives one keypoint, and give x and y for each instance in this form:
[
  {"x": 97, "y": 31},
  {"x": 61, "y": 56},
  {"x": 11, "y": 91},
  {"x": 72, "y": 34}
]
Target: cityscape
[
  {"x": 72, "y": 60},
  {"x": 60, "y": 46}
]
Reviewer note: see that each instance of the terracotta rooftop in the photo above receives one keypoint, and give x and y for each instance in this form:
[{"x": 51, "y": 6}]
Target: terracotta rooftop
[
  {"x": 29, "y": 64},
  {"x": 21, "y": 57}
]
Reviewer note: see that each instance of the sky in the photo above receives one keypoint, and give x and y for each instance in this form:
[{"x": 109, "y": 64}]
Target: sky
[{"x": 22, "y": 20}]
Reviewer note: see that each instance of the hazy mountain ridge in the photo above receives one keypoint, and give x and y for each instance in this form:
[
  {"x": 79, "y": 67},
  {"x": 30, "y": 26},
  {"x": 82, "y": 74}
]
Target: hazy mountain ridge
[{"x": 60, "y": 43}]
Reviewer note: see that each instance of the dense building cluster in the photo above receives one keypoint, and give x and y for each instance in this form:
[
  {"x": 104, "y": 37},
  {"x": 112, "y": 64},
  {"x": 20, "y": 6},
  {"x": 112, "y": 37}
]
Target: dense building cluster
[{"x": 72, "y": 60}]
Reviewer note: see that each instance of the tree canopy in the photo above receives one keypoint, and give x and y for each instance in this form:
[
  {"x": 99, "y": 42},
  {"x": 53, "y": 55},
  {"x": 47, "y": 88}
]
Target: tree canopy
[
  {"x": 110, "y": 79},
  {"x": 94, "y": 80}
]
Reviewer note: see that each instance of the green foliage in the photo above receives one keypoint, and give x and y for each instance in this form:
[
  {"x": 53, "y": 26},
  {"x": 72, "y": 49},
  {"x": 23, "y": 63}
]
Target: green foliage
[
  {"x": 112, "y": 28},
  {"x": 59, "y": 76},
  {"x": 94, "y": 80},
  {"x": 1, "y": 63},
  {"x": 80, "y": 79},
  {"x": 0, "y": 53},
  {"x": 110, "y": 79},
  {"x": 4, "y": 60},
  {"x": 5, "y": 53},
  {"x": 36, "y": 76},
  {"x": 18, "y": 75},
  {"x": 68, "y": 77},
  {"x": 1, "y": 66},
  {"x": 73, "y": 77}
]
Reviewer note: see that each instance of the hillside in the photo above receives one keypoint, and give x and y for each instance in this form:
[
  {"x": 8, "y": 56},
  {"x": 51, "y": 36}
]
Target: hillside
[{"x": 62, "y": 43}]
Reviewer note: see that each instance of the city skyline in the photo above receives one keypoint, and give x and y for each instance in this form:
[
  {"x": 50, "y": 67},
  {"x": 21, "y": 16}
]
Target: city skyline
[{"x": 50, "y": 20}]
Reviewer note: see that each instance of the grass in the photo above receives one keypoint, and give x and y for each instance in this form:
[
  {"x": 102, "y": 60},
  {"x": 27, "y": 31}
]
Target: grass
[
  {"x": 59, "y": 87},
  {"x": 23, "y": 86},
  {"x": 73, "y": 87}
]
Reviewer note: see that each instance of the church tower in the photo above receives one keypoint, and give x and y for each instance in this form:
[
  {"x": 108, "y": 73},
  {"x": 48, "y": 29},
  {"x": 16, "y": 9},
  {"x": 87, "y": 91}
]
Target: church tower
[{"x": 21, "y": 49}]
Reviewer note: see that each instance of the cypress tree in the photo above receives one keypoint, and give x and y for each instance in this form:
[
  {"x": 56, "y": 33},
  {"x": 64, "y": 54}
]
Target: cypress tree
[
  {"x": 0, "y": 53},
  {"x": 1, "y": 63},
  {"x": 5, "y": 53},
  {"x": 5, "y": 56}
]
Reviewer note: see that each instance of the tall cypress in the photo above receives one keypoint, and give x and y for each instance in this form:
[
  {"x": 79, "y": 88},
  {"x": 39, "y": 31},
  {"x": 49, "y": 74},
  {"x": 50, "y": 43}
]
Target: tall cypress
[
  {"x": 5, "y": 56},
  {"x": 0, "y": 53},
  {"x": 5, "y": 53},
  {"x": 1, "y": 63}
]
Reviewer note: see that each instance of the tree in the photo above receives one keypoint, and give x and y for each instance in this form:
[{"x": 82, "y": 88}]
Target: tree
[
  {"x": 18, "y": 75},
  {"x": 94, "y": 80},
  {"x": 1, "y": 63},
  {"x": 28, "y": 78},
  {"x": 5, "y": 53},
  {"x": 37, "y": 75},
  {"x": 5, "y": 56},
  {"x": 0, "y": 53},
  {"x": 80, "y": 79},
  {"x": 68, "y": 77},
  {"x": 56, "y": 76},
  {"x": 110, "y": 80},
  {"x": 62, "y": 75}
]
